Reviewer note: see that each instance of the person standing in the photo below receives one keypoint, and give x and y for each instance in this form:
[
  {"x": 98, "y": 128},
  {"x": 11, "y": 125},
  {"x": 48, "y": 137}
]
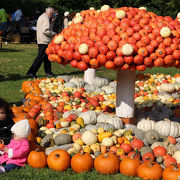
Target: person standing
[
  {"x": 66, "y": 20},
  {"x": 3, "y": 21},
  {"x": 18, "y": 16},
  {"x": 44, "y": 35}
]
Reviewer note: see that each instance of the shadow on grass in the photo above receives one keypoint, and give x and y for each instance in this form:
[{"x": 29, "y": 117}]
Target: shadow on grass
[
  {"x": 11, "y": 50},
  {"x": 11, "y": 77}
]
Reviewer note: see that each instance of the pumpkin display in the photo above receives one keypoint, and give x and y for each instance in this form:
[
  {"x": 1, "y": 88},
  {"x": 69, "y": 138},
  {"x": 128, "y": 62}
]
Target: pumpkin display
[
  {"x": 37, "y": 159},
  {"x": 59, "y": 160},
  {"x": 106, "y": 163},
  {"x": 146, "y": 125},
  {"x": 82, "y": 162},
  {"x": 150, "y": 170}
]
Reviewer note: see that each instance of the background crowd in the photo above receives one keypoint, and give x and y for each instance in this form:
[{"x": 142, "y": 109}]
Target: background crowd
[{"x": 25, "y": 27}]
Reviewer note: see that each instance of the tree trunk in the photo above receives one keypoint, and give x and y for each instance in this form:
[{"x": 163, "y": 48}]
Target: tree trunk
[
  {"x": 125, "y": 95},
  {"x": 89, "y": 75}
]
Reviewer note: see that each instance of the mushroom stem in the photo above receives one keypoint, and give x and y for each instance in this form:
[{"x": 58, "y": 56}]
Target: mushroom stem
[
  {"x": 89, "y": 75},
  {"x": 125, "y": 93}
]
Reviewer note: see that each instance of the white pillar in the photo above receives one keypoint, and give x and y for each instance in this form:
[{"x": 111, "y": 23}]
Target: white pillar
[
  {"x": 89, "y": 75},
  {"x": 125, "y": 93}
]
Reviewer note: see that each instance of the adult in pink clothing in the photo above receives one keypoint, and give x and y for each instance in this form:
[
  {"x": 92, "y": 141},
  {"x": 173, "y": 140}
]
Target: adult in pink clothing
[{"x": 16, "y": 152}]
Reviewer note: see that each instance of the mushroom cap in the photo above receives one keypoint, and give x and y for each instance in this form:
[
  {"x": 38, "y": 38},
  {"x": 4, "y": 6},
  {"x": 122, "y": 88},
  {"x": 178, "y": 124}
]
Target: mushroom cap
[{"x": 122, "y": 38}]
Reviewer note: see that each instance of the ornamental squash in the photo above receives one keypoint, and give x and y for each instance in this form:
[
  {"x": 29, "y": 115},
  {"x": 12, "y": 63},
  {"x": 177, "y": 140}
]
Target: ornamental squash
[
  {"x": 89, "y": 117},
  {"x": 89, "y": 137},
  {"x": 103, "y": 135},
  {"x": 62, "y": 139}
]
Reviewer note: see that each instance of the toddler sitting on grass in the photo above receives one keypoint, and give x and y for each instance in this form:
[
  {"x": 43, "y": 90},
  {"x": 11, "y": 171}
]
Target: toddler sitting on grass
[{"x": 16, "y": 152}]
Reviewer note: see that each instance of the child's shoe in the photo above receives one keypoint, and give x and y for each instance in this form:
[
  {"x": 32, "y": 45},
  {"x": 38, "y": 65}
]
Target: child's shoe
[{"x": 2, "y": 170}]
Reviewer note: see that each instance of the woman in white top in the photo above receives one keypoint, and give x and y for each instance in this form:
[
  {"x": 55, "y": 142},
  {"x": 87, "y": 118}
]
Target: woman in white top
[{"x": 66, "y": 14}]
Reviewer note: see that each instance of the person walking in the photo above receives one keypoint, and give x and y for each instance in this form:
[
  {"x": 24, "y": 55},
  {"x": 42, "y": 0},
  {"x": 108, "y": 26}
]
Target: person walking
[{"x": 44, "y": 35}]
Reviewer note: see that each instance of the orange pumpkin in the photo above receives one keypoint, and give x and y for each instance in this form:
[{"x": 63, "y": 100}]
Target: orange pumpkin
[
  {"x": 82, "y": 162},
  {"x": 106, "y": 163},
  {"x": 150, "y": 170},
  {"x": 132, "y": 163},
  {"x": 59, "y": 160},
  {"x": 37, "y": 159},
  {"x": 171, "y": 172}
]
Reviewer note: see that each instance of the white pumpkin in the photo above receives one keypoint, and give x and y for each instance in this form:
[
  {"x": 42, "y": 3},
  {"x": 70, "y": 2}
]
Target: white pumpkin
[
  {"x": 78, "y": 19},
  {"x": 146, "y": 125},
  {"x": 70, "y": 84},
  {"x": 177, "y": 156},
  {"x": 78, "y": 81},
  {"x": 143, "y": 8},
  {"x": 108, "y": 89},
  {"x": 100, "y": 82},
  {"x": 155, "y": 144},
  {"x": 90, "y": 127},
  {"x": 167, "y": 87},
  {"x": 121, "y": 14},
  {"x": 67, "y": 113},
  {"x": 91, "y": 8},
  {"x": 178, "y": 15},
  {"x": 110, "y": 119},
  {"x": 88, "y": 137},
  {"x": 59, "y": 39},
  {"x": 165, "y": 32},
  {"x": 105, "y": 8},
  {"x": 66, "y": 78},
  {"x": 105, "y": 126},
  {"x": 107, "y": 142},
  {"x": 89, "y": 117},
  {"x": 127, "y": 49},
  {"x": 83, "y": 48},
  {"x": 167, "y": 128}
]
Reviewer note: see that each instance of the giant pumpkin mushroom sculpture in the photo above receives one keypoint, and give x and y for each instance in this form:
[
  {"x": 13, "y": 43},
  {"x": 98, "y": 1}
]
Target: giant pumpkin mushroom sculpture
[{"x": 124, "y": 39}]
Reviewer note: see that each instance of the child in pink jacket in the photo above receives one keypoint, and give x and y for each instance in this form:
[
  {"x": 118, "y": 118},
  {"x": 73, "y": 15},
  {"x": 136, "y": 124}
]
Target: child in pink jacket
[{"x": 16, "y": 152}]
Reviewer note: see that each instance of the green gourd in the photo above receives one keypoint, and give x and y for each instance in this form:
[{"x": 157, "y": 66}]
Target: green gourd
[
  {"x": 144, "y": 150},
  {"x": 62, "y": 139},
  {"x": 151, "y": 136}
]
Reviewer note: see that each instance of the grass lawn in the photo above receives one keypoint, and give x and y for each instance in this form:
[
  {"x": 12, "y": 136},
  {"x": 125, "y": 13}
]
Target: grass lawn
[{"x": 15, "y": 60}]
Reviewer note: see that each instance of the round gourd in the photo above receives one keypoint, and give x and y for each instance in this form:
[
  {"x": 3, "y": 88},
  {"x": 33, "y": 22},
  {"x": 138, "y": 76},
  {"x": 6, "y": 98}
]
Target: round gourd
[
  {"x": 145, "y": 149},
  {"x": 167, "y": 87},
  {"x": 62, "y": 139},
  {"x": 139, "y": 133},
  {"x": 151, "y": 136},
  {"x": 120, "y": 14},
  {"x": 127, "y": 49},
  {"x": 89, "y": 137},
  {"x": 165, "y": 32},
  {"x": 107, "y": 142},
  {"x": 83, "y": 48},
  {"x": 177, "y": 156},
  {"x": 89, "y": 117},
  {"x": 66, "y": 78},
  {"x": 105, "y": 8},
  {"x": 146, "y": 125},
  {"x": 59, "y": 39},
  {"x": 45, "y": 142}
]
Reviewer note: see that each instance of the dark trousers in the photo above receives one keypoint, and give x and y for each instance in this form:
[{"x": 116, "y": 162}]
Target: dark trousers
[
  {"x": 41, "y": 57},
  {"x": 9, "y": 167}
]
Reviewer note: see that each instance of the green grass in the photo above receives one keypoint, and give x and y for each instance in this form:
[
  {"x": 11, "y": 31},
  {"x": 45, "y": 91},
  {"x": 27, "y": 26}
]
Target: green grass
[
  {"x": 43, "y": 174},
  {"x": 15, "y": 60}
]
